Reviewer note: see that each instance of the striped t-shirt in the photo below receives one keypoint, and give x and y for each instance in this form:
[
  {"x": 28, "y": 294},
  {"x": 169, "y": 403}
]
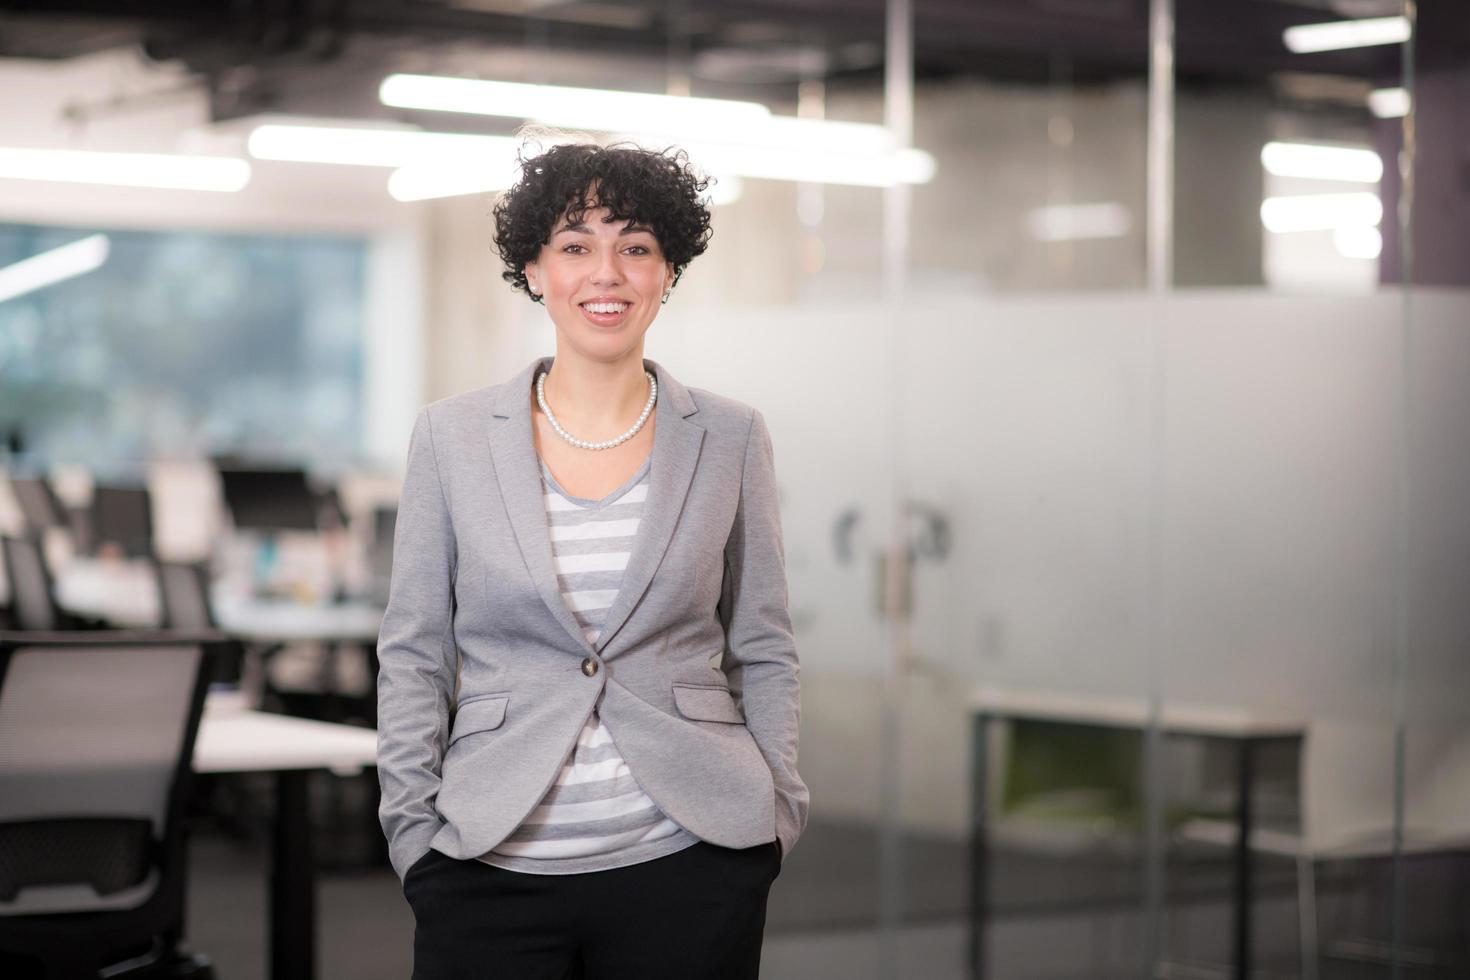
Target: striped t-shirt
[{"x": 595, "y": 816}]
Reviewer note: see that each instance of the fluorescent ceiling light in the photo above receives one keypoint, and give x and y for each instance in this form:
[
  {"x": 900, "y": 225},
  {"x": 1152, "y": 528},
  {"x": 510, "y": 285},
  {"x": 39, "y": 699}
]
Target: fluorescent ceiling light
[
  {"x": 736, "y": 138},
  {"x": 1321, "y": 212},
  {"x": 58, "y": 264},
  {"x": 400, "y": 148},
  {"x": 1072, "y": 222},
  {"x": 1336, "y": 35},
  {"x": 907, "y": 166},
  {"x": 1389, "y": 103},
  {"x": 603, "y": 110},
  {"x": 367, "y": 147},
  {"x": 821, "y": 135},
  {"x": 1319, "y": 162},
  {"x": 584, "y": 108},
  {"x": 421, "y": 181},
  {"x": 171, "y": 171},
  {"x": 1364, "y": 242}
]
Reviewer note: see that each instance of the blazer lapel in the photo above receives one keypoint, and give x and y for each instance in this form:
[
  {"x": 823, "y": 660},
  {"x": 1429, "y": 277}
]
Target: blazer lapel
[
  {"x": 518, "y": 471},
  {"x": 676, "y": 446}
]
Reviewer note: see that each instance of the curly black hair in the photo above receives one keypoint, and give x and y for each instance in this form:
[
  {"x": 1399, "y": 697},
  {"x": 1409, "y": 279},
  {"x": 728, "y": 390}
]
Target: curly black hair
[{"x": 658, "y": 189}]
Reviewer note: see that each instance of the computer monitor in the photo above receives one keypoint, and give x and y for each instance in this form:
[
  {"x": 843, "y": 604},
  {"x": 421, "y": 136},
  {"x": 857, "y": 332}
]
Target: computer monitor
[
  {"x": 122, "y": 516},
  {"x": 270, "y": 499}
]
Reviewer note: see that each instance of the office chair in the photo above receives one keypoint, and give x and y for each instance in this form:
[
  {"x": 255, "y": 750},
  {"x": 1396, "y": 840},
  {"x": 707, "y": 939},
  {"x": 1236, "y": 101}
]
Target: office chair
[
  {"x": 122, "y": 517},
  {"x": 183, "y": 592},
  {"x": 32, "y": 601},
  {"x": 43, "y": 509},
  {"x": 183, "y": 597},
  {"x": 38, "y": 502},
  {"x": 97, "y": 737}
]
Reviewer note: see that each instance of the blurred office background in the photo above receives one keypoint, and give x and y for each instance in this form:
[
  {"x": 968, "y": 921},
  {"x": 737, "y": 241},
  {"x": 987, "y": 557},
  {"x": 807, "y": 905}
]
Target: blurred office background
[{"x": 1117, "y": 361}]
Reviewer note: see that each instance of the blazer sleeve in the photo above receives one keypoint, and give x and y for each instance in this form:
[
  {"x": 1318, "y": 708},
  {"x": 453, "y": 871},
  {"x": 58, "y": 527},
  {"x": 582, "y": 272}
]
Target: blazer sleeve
[
  {"x": 760, "y": 651},
  {"x": 417, "y": 656}
]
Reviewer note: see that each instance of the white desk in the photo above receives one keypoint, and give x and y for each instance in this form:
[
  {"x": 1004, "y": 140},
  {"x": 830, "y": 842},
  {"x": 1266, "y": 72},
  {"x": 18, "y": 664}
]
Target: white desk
[
  {"x": 284, "y": 621},
  {"x": 122, "y": 591},
  {"x": 254, "y": 741},
  {"x": 235, "y": 740},
  {"x": 125, "y": 592},
  {"x": 1220, "y": 721},
  {"x": 1246, "y": 727}
]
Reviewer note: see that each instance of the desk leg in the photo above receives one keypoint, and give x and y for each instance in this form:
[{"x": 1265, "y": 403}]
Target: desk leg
[
  {"x": 1243, "y": 885},
  {"x": 293, "y": 886},
  {"x": 979, "y": 844}
]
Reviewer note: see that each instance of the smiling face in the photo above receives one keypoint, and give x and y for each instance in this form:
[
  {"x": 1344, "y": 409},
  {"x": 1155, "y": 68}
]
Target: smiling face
[{"x": 602, "y": 282}]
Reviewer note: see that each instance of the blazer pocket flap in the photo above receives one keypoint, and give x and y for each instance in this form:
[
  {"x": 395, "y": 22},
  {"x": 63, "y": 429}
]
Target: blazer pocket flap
[
  {"x": 480, "y": 715},
  {"x": 706, "y": 703}
]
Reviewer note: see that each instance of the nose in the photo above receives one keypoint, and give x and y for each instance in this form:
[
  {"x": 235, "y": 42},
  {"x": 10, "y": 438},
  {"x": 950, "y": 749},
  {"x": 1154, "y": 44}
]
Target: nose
[{"x": 608, "y": 271}]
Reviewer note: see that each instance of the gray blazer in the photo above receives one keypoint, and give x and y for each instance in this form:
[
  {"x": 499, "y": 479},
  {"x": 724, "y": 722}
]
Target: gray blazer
[{"x": 486, "y": 678}]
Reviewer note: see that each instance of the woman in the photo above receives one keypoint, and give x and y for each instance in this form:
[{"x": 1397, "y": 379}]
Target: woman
[{"x": 588, "y": 696}]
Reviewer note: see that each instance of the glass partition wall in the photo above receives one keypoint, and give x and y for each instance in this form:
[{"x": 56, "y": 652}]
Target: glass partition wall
[
  {"x": 1285, "y": 607},
  {"x": 962, "y": 446},
  {"x": 1021, "y": 471},
  {"x": 1420, "y": 855},
  {"x": 1163, "y": 649},
  {"x": 1125, "y": 518}
]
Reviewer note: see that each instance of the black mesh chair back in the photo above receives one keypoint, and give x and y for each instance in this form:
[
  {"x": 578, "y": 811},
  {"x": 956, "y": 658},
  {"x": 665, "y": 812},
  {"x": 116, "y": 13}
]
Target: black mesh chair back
[
  {"x": 33, "y": 606},
  {"x": 97, "y": 735},
  {"x": 44, "y": 509},
  {"x": 183, "y": 591},
  {"x": 38, "y": 502},
  {"x": 122, "y": 516}
]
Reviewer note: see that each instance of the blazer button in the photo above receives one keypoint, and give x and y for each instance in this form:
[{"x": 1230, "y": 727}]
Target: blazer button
[{"x": 589, "y": 666}]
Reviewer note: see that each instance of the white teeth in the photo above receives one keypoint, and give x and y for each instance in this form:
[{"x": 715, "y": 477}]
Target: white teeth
[{"x": 604, "y": 307}]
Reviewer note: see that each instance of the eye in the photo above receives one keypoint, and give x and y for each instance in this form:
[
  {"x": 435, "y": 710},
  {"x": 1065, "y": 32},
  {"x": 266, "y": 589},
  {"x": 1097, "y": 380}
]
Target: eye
[
  {"x": 642, "y": 249},
  {"x": 572, "y": 246}
]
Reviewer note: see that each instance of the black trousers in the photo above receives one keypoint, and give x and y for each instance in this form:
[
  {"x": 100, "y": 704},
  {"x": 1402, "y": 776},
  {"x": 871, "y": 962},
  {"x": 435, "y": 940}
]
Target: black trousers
[{"x": 696, "y": 914}]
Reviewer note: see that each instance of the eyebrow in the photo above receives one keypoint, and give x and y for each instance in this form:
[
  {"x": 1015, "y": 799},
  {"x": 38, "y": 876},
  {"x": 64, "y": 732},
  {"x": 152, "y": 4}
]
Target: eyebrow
[{"x": 584, "y": 230}]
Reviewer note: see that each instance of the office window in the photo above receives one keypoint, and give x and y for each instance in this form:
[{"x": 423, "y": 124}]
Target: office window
[{"x": 184, "y": 343}]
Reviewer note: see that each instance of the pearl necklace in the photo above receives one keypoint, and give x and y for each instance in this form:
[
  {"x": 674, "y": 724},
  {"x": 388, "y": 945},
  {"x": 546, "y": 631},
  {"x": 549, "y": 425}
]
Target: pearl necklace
[{"x": 582, "y": 443}]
